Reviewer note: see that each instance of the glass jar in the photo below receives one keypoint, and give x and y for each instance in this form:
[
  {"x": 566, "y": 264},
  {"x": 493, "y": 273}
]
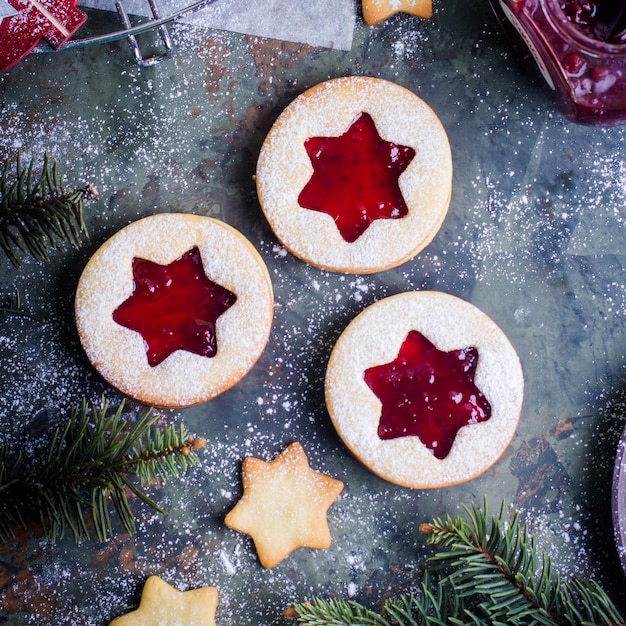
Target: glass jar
[{"x": 584, "y": 71}]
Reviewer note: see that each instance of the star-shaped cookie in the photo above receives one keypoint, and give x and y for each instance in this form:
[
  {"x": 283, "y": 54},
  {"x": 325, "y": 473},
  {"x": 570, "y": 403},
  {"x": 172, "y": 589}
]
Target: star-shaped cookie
[
  {"x": 162, "y": 605},
  {"x": 284, "y": 505},
  {"x": 375, "y": 11}
]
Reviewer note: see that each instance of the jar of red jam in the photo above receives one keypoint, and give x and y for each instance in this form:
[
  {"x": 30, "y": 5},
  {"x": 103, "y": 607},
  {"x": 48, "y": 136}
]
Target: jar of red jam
[{"x": 580, "y": 48}]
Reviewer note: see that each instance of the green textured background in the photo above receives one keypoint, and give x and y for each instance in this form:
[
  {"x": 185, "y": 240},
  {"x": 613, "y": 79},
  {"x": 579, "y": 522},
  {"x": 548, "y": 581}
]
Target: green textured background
[{"x": 535, "y": 237}]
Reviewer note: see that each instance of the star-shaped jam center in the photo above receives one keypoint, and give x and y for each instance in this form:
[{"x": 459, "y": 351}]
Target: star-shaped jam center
[
  {"x": 355, "y": 177},
  {"x": 427, "y": 392},
  {"x": 174, "y": 307}
]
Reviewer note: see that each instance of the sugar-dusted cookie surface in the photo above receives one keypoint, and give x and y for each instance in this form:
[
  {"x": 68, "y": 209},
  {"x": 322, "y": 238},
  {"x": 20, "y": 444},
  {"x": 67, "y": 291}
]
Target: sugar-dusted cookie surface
[
  {"x": 375, "y": 11},
  {"x": 313, "y": 174},
  {"x": 162, "y": 605},
  {"x": 284, "y": 505},
  {"x": 378, "y": 414},
  {"x": 146, "y": 328}
]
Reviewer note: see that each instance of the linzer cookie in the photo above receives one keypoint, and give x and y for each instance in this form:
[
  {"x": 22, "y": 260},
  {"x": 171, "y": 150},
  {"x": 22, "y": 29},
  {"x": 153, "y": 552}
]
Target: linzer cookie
[
  {"x": 355, "y": 175},
  {"x": 174, "y": 309},
  {"x": 424, "y": 389}
]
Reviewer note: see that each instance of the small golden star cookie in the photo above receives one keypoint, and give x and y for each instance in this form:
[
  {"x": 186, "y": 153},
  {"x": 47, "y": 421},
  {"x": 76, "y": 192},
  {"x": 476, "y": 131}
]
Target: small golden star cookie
[
  {"x": 284, "y": 505},
  {"x": 162, "y": 605},
  {"x": 375, "y": 11}
]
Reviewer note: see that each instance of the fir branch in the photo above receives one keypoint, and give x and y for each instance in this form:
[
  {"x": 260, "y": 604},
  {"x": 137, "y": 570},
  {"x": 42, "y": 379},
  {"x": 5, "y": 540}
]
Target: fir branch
[
  {"x": 432, "y": 605},
  {"x": 486, "y": 572},
  {"x": 36, "y": 213},
  {"x": 498, "y": 566},
  {"x": 90, "y": 463},
  {"x": 336, "y": 612}
]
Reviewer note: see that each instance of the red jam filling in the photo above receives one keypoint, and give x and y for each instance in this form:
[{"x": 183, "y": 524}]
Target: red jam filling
[
  {"x": 605, "y": 21},
  {"x": 355, "y": 177},
  {"x": 428, "y": 393},
  {"x": 174, "y": 307}
]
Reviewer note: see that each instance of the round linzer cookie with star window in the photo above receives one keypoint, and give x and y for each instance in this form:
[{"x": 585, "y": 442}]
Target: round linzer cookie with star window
[
  {"x": 424, "y": 389},
  {"x": 355, "y": 175},
  {"x": 174, "y": 309}
]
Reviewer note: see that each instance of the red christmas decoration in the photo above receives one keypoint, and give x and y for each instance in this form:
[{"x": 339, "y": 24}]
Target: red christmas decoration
[{"x": 24, "y": 23}]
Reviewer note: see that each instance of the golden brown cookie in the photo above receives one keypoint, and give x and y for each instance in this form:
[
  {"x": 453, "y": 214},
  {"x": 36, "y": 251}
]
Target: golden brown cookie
[
  {"x": 284, "y": 505},
  {"x": 169, "y": 344},
  {"x": 162, "y": 605},
  {"x": 376, "y": 11},
  {"x": 484, "y": 378},
  {"x": 415, "y": 162}
]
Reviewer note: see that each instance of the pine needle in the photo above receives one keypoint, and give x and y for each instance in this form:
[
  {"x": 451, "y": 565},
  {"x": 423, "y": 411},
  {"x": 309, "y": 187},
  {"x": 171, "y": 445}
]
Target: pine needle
[
  {"x": 36, "y": 213},
  {"x": 95, "y": 460},
  {"x": 487, "y": 571},
  {"x": 336, "y": 612}
]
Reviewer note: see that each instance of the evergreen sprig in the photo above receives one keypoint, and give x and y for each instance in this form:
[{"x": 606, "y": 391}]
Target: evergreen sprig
[
  {"x": 36, "y": 212},
  {"x": 487, "y": 571},
  {"x": 95, "y": 459}
]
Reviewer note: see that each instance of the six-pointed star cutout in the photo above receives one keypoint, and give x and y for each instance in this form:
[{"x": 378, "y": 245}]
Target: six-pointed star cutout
[
  {"x": 162, "y": 605},
  {"x": 427, "y": 392},
  {"x": 174, "y": 307},
  {"x": 355, "y": 177},
  {"x": 284, "y": 505}
]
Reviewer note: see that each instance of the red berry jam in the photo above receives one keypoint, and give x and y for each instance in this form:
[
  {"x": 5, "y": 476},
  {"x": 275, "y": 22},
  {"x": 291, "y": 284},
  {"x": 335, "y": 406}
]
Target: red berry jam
[
  {"x": 174, "y": 307},
  {"x": 428, "y": 393},
  {"x": 580, "y": 48},
  {"x": 355, "y": 177},
  {"x": 605, "y": 21}
]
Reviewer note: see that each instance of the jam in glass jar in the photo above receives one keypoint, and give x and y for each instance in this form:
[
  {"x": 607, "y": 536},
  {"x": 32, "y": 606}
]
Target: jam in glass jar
[{"x": 580, "y": 48}]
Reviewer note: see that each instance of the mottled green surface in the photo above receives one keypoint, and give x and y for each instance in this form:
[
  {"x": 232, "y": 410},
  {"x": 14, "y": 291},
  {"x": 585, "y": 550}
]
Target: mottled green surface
[{"x": 535, "y": 237}]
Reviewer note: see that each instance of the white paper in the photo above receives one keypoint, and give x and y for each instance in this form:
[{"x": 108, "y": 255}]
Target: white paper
[
  {"x": 324, "y": 23},
  {"x": 6, "y": 10}
]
